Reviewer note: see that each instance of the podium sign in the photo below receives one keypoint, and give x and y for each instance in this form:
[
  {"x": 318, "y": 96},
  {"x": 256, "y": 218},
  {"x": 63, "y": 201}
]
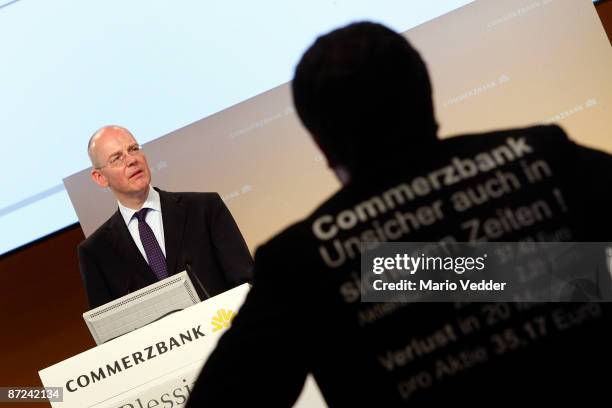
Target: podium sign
[
  {"x": 159, "y": 361},
  {"x": 154, "y": 366}
]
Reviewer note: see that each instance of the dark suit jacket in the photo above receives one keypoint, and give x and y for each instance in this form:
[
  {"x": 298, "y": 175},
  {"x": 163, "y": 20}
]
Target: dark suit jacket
[
  {"x": 303, "y": 316},
  {"x": 198, "y": 230}
]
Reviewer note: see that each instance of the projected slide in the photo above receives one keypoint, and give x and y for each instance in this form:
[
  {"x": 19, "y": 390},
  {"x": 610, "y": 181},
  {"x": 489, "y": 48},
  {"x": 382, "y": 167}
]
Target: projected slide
[
  {"x": 493, "y": 64},
  {"x": 70, "y": 67}
]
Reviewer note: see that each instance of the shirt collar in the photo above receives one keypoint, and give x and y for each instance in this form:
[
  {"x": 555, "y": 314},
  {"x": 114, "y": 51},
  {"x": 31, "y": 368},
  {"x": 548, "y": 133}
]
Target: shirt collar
[{"x": 152, "y": 202}]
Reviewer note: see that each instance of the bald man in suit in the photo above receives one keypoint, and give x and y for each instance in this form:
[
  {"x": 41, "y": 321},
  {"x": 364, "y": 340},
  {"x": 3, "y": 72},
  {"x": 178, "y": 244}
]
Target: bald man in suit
[{"x": 155, "y": 234}]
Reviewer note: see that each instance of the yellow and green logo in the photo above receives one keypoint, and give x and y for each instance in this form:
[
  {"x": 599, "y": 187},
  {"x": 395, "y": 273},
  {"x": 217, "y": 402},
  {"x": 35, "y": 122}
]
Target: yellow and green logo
[{"x": 223, "y": 319}]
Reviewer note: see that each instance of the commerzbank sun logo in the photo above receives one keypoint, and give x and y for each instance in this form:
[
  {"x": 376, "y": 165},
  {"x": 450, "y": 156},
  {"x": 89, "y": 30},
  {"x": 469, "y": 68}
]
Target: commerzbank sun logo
[{"x": 223, "y": 319}]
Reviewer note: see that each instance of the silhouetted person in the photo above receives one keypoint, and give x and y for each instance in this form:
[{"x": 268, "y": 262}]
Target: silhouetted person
[{"x": 364, "y": 95}]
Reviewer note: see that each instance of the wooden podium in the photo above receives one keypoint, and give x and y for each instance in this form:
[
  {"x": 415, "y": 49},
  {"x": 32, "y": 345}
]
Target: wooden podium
[{"x": 154, "y": 366}]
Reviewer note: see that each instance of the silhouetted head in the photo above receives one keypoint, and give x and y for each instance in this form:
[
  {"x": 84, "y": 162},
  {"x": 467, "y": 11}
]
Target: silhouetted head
[{"x": 364, "y": 94}]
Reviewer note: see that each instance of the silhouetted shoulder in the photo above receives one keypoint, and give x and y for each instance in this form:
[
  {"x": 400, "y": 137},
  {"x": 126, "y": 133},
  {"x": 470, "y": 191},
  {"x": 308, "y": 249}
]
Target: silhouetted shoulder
[
  {"x": 540, "y": 136},
  {"x": 292, "y": 238}
]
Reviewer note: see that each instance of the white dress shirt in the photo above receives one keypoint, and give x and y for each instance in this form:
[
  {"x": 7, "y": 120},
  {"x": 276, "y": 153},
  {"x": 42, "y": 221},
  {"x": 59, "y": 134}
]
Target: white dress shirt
[{"x": 153, "y": 218}]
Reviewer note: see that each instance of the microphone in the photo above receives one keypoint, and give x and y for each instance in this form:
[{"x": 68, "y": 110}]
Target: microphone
[{"x": 195, "y": 278}]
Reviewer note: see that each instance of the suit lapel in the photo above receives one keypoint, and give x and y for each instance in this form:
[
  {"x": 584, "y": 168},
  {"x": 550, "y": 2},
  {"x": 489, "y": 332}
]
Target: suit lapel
[
  {"x": 124, "y": 245},
  {"x": 174, "y": 216}
]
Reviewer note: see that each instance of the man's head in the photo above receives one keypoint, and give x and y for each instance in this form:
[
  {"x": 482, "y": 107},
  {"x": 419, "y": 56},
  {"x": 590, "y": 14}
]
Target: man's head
[
  {"x": 118, "y": 163},
  {"x": 364, "y": 94}
]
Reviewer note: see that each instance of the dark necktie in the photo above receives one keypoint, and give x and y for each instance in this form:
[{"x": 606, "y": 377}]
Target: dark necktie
[{"x": 156, "y": 258}]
